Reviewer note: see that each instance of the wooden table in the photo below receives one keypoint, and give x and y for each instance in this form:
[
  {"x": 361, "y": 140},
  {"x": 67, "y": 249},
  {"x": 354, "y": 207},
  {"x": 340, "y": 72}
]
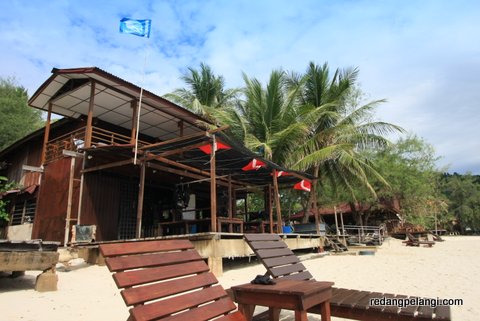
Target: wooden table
[{"x": 285, "y": 294}]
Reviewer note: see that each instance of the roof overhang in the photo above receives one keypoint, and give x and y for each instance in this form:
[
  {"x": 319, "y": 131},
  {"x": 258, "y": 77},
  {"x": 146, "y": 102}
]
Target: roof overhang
[{"x": 69, "y": 91}]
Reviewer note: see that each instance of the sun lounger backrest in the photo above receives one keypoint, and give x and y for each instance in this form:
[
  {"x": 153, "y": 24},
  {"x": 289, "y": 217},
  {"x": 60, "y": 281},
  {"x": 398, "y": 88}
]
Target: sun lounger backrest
[
  {"x": 277, "y": 258},
  {"x": 167, "y": 280}
]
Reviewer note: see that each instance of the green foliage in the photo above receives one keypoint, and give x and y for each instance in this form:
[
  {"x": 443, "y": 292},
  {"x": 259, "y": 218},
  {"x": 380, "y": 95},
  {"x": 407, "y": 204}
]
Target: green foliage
[
  {"x": 16, "y": 118},
  {"x": 4, "y": 186},
  {"x": 463, "y": 193},
  {"x": 409, "y": 167}
]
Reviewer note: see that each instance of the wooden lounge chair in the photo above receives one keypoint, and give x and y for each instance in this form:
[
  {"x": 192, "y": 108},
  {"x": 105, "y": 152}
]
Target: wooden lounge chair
[
  {"x": 415, "y": 241},
  {"x": 172, "y": 275},
  {"x": 281, "y": 262}
]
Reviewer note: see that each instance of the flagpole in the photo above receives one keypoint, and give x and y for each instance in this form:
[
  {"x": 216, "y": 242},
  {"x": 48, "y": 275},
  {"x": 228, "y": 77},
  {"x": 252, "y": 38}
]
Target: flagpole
[{"x": 140, "y": 107}]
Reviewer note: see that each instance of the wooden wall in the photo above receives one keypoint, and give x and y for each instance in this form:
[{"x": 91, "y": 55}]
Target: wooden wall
[{"x": 100, "y": 204}]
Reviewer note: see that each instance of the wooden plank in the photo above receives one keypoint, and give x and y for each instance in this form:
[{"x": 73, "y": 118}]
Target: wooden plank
[
  {"x": 409, "y": 310},
  {"x": 425, "y": 312},
  {"x": 142, "y": 294},
  {"x": 305, "y": 275},
  {"x": 237, "y": 316},
  {"x": 137, "y": 277},
  {"x": 267, "y": 245},
  {"x": 213, "y": 190},
  {"x": 287, "y": 269},
  {"x": 442, "y": 312},
  {"x": 122, "y": 263},
  {"x": 283, "y": 260},
  {"x": 364, "y": 303},
  {"x": 351, "y": 300},
  {"x": 261, "y": 237},
  {"x": 395, "y": 309},
  {"x": 205, "y": 312},
  {"x": 269, "y": 253},
  {"x": 163, "y": 308},
  {"x": 340, "y": 295},
  {"x": 128, "y": 248},
  {"x": 27, "y": 260},
  {"x": 109, "y": 165}
]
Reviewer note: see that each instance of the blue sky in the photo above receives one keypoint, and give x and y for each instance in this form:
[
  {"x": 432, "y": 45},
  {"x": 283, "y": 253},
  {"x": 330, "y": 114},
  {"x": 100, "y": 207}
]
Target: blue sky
[{"x": 422, "y": 56}]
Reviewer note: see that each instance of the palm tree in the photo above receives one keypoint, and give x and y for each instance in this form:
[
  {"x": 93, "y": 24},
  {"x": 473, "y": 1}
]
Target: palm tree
[
  {"x": 204, "y": 91},
  {"x": 332, "y": 150}
]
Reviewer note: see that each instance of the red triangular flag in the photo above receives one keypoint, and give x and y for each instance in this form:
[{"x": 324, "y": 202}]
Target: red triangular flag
[
  {"x": 207, "y": 149},
  {"x": 255, "y": 164},
  {"x": 303, "y": 185}
]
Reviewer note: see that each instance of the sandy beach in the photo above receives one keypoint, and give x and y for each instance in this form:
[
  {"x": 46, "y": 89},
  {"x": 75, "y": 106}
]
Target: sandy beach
[{"x": 450, "y": 269}]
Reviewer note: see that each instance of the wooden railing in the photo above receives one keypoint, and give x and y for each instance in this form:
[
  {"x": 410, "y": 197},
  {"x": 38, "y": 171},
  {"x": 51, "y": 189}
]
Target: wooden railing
[{"x": 75, "y": 141}]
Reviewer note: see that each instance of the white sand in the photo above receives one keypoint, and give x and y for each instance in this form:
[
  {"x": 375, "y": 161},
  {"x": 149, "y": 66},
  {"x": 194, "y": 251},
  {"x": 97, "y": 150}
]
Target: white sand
[{"x": 448, "y": 270}]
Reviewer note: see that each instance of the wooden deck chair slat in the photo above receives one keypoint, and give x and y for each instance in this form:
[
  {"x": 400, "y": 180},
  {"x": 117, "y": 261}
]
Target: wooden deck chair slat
[
  {"x": 161, "y": 309},
  {"x": 287, "y": 269},
  {"x": 267, "y": 245},
  {"x": 236, "y": 316},
  {"x": 442, "y": 312},
  {"x": 274, "y": 252},
  {"x": 352, "y": 299},
  {"x": 395, "y": 309},
  {"x": 409, "y": 310},
  {"x": 425, "y": 312},
  {"x": 142, "y": 294},
  {"x": 381, "y": 307},
  {"x": 149, "y": 260},
  {"x": 364, "y": 303},
  {"x": 137, "y": 277},
  {"x": 129, "y": 248},
  {"x": 282, "y": 260},
  {"x": 205, "y": 312},
  {"x": 305, "y": 275}
]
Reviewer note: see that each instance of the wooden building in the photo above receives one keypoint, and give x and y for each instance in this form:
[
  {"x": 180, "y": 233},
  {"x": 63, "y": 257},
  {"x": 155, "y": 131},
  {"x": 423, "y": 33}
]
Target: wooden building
[{"x": 131, "y": 164}]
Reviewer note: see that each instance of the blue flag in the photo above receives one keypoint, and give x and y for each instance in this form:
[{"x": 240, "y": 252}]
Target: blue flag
[{"x": 136, "y": 27}]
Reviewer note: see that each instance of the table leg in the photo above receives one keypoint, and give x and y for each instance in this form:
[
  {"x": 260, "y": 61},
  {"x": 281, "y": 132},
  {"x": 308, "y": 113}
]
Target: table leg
[
  {"x": 301, "y": 315},
  {"x": 274, "y": 314},
  {"x": 325, "y": 310},
  {"x": 247, "y": 310}
]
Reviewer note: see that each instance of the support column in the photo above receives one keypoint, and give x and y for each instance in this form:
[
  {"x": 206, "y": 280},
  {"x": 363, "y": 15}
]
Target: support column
[
  {"x": 269, "y": 207},
  {"x": 47, "y": 133},
  {"x": 69, "y": 201},
  {"x": 213, "y": 189},
  {"x": 133, "y": 134},
  {"x": 277, "y": 202},
  {"x": 88, "y": 131},
  {"x": 141, "y": 191}
]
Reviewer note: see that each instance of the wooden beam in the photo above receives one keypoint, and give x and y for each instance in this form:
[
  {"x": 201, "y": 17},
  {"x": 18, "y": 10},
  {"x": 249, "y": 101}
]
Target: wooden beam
[
  {"x": 91, "y": 103},
  {"x": 141, "y": 191},
  {"x": 47, "y": 133},
  {"x": 175, "y": 151},
  {"x": 133, "y": 134},
  {"x": 180, "y": 139},
  {"x": 277, "y": 202},
  {"x": 109, "y": 165},
  {"x": 190, "y": 168},
  {"x": 32, "y": 168},
  {"x": 213, "y": 190}
]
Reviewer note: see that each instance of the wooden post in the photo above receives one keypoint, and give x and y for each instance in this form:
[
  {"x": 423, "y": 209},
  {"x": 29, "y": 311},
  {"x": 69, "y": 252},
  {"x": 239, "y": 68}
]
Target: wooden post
[
  {"x": 88, "y": 131},
  {"x": 343, "y": 228},
  {"x": 230, "y": 209},
  {"x": 141, "y": 191},
  {"x": 213, "y": 189},
  {"x": 46, "y": 135},
  {"x": 270, "y": 207},
  {"x": 277, "y": 202},
  {"x": 134, "y": 106},
  {"x": 69, "y": 200},
  {"x": 336, "y": 221}
]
